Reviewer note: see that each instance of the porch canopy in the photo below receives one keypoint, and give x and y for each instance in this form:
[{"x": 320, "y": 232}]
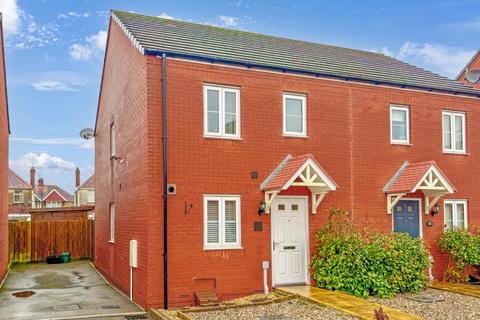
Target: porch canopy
[
  {"x": 303, "y": 171},
  {"x": 424, "y": 176}
]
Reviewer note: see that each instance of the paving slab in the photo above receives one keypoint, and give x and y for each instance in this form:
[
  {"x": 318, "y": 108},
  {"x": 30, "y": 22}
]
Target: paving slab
[
  {"x": 465, "y": 289},
  {"x": 347, "y": 303},
  {"x": 41, "y": 291}
]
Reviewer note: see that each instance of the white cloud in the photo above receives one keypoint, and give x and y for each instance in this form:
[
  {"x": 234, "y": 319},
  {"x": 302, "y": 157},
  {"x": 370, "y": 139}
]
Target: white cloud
[
  {"x": 73, "y": 14},
  {"x": 229, "y": 21},
  {"x": 11, "y": 15},
  {"x": 93, "y": 47},
  {"x": 53, "y": 81},
  {"x": 167, "y": 16},
  {"x": 445, "y": 60},
  {"x": 76, "y": 142},
  {"x": 41, "y": 161}
]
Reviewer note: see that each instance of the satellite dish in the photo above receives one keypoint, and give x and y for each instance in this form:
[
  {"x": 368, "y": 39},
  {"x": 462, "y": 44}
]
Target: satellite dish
[
  {"x": 86, "y": 133},
  {"x": 473, "y": 76}
]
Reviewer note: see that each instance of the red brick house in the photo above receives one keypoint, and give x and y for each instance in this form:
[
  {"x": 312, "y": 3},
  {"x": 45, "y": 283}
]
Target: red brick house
[
  {"x": 219, "y": 149},
  {"x": 473, "y": 64},
  {"x": 4, "y": 133},
  {"x": 50, "y": 195},
  {"x": 20, "y": 195}
]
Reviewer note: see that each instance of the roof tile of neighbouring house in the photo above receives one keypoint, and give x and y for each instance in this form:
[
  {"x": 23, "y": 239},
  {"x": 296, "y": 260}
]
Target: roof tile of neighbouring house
[
  {"x": 48, "y": 188},
  {"x": 409, "y": 176},
  {"x": 89, "y": 184},
  {"x": 16, "y": 182},
  {"x": 208, "y": 43}
]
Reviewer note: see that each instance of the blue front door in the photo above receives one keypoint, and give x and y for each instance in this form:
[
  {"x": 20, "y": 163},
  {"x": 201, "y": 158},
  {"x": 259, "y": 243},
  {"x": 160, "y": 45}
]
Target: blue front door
[{"x": 406, "y": 217}]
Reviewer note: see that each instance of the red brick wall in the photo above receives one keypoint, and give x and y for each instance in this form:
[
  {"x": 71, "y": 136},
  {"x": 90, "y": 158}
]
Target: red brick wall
[
  {"x": 3, "y": 165},
  {"x": 133, "y": 182},
  {"x": 474, "y": 65},
  {"x": 348, "y": 133}
]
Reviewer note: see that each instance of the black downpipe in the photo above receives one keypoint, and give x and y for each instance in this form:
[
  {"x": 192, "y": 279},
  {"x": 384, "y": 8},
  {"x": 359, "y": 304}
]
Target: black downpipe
[{"x": 165, "y": 176}]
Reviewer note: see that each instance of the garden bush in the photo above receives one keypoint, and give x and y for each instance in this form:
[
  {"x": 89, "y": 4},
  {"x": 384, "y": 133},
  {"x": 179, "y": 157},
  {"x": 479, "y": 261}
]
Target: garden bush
[
  {"x": 464, "y": 249},
  {"x": 366, "y": 262}
]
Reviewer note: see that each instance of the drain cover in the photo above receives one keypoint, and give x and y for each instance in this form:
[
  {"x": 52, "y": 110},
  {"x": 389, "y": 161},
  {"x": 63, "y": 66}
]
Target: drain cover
[
  {"x": 425, "y": 299},
  {"x": 136, "y": 317},
  {"x": 112, "y": 306},
  {"x": 66, "y": 307}
]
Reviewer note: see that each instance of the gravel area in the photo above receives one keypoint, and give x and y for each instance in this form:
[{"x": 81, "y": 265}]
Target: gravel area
[
  {"x": 455, "y": 306},
  {"x": 289, "y": 310}
]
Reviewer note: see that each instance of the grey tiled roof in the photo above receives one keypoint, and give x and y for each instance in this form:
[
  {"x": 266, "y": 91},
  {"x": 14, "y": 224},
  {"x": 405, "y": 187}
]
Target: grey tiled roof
[
  {"x": 88, "y": 184},
  {"x": 16, "y": 182},
  {"x": 156, "y": 35}
]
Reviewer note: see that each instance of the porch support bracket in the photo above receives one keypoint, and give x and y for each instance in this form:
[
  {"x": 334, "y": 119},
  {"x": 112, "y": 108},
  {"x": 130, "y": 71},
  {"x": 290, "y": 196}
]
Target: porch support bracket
[
  {"x": 269, "y": 198},
  {"x": 316, "y": 200},
  {"x": 429, "y": 204},
  {"x": 392, "y": 200}
]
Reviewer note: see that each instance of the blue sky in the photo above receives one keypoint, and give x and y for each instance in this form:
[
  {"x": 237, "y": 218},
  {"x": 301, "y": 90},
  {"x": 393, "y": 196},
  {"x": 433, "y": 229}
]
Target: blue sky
[{"x": 54, "y": 56}]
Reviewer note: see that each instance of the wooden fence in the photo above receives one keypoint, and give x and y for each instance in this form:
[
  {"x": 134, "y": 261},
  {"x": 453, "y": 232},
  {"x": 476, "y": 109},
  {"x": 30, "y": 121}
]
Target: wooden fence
[{"x": 33, "y": 241}]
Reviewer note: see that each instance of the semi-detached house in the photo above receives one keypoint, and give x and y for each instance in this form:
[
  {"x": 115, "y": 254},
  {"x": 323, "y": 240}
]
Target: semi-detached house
[{"x": 218, "y": 150}]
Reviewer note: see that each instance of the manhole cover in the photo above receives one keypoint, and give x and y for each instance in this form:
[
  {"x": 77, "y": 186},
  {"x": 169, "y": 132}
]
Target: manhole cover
[
  {"x": 136, "y": 317},
  {"x": 274, "y": 317},
  {"x": 66, "y": 307},
  {"x": 113, "y": 306},
  {"x": 425, "y": 299},
  {"x": 23, "y": 294}
]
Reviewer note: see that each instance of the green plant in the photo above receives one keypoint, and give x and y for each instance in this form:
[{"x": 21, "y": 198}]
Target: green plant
[
  {"x": 367, "y": 262},
  {"x": 464, "y": 249}
]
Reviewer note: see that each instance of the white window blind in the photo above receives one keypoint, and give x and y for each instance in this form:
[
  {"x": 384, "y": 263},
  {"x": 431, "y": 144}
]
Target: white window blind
[
  {"x": 455, "y": 213},
  {"x": 222, "y": 112},
  {"x": 454, "y": 137},
  {"x": 221, "y": 222},
  {"x": 294, "y": 115}
]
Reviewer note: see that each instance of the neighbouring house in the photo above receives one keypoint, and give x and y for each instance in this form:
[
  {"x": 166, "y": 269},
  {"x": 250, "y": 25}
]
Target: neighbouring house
[
  {"x": 20, "y": 195},
  {"x": 219, "y": 150},
  {"x": 49, "y": 195},
  {"x": 4, "y": 174},
  {"x": 473, "y": 64},
  {"x": 84, "y": 193}
]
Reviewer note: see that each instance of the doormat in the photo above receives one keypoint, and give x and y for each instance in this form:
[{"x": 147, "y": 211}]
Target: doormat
[{"x": 425, "y": 299}]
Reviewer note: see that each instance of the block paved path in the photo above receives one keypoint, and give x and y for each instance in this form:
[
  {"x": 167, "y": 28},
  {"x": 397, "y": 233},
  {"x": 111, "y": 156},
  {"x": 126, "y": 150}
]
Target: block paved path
[
  {"x": 465, "y": 289},
  {"x": 347, "y": 303}
]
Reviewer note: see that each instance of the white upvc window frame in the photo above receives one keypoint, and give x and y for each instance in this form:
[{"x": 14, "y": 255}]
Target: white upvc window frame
[
  {"x": 406, "y": 109},
  {"x": 221, "y": 134},
  {"x": 303, "y": 98},
  {"x": 90, "y": 196},
  {"x": 454, "y": 203},
  {"x": 222, "y": 244},
  {"x": 18, "y": 193},
  {"x": 112, "y": 223},
  {"x": 452, "y": 115}
]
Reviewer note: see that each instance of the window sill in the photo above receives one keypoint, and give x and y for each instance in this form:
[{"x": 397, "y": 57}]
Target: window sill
[
  {"x": 222, "y": 248},
  {"x": 405, "y": 144},
  {"x": 459, "y": 153},
  {"x": 222, "y": 138},
  {"x": 286, "y": 135}
]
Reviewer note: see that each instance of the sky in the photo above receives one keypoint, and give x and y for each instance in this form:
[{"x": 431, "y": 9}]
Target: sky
[{"x": 55, "y": 48}]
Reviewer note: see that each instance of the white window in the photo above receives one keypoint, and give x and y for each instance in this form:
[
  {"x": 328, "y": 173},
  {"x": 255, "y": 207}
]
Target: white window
[
  {"x": 221, "y": 112},
  {"x": 90, "y": 196},
  {"x": 453, "y": 132},
  {"x": 399, "y": 125},
  {"x": 18, "y": 196},
  {"x": 112, "y": 140},
  {"x": 112, "y": 223},
  {"x": 294, "y": 115},
  {"x": 455, "y": 213},
  {"x": 221, "y": 222},
  {"x": 53, "y": 204}
]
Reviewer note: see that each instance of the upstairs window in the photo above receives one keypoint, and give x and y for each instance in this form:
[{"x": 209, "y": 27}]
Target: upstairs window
[
  {"x": 221, "y": 222},
  {"x": 18, "y": 196},
  {"x": 294, "y": 115},
  {"x": 221, "y": 112},
  {"x": 399, "y": 125},
  {"x": 453, "y": 132},
  {"x": 112, "y": 140},
  {"x": 455, "y": 214}
]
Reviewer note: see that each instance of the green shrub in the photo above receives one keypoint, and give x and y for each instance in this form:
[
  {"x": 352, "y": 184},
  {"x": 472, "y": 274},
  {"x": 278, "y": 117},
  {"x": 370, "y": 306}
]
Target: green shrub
[
  {"x": 367, "y": 263},
  {"x": 464, "y": 249}
]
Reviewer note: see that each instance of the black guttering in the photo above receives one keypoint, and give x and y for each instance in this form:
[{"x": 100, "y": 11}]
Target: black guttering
[
  {"x": 302, "y": 72},
  {"x": 165, "y": 177}
]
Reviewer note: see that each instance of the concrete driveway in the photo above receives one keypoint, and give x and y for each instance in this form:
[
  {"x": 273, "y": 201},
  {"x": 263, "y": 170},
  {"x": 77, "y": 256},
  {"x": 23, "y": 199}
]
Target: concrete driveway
[{"x": 61, "y": 291}]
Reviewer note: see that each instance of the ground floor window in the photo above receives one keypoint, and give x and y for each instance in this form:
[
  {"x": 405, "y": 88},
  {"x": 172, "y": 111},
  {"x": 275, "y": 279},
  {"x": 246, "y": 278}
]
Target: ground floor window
[
  {"x": 54, "y": 204},
  {"x": 455, "y": 213},
  {"x": 221, "y": 222}
]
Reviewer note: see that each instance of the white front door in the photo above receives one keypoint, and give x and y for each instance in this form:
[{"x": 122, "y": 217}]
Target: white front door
[{"x": 289, "y": 237}]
